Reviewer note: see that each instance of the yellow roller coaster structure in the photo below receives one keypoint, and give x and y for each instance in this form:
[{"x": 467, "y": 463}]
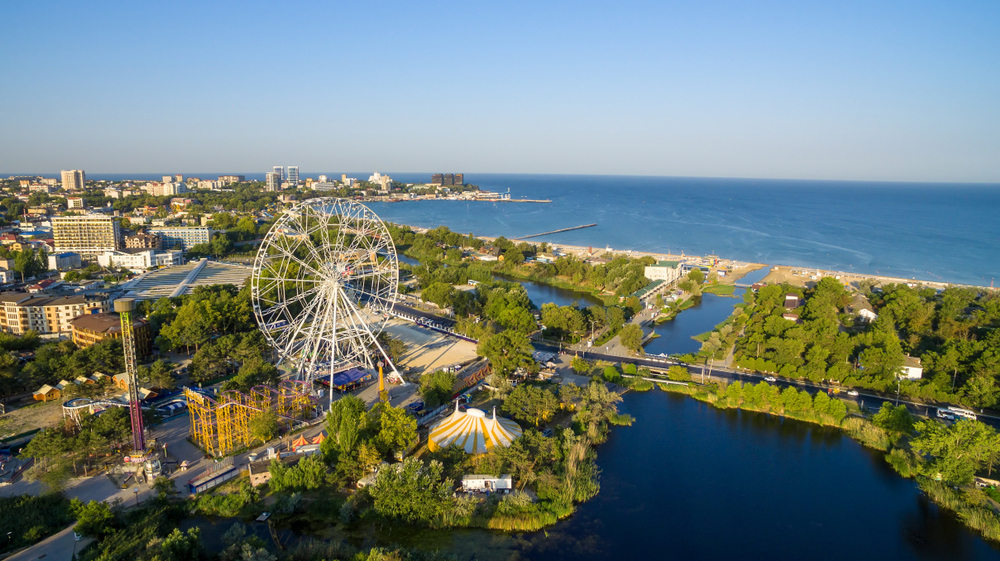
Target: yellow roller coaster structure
[{"x": 222, "y": 426}]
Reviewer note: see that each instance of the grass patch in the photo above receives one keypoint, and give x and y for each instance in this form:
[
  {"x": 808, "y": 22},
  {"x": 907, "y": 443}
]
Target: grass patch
[{"x": 720, "y": 289}]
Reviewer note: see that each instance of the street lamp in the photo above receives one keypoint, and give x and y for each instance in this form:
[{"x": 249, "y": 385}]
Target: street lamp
[{"x": 136, "y": 491}]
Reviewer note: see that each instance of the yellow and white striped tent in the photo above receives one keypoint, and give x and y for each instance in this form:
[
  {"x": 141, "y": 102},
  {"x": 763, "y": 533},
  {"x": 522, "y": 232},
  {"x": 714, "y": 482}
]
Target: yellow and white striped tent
[{"x": 473, "y": 431}]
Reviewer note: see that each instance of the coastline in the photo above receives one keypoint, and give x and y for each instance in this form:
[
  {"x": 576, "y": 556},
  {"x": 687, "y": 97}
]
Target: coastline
[{"x": 792, "y": 274}]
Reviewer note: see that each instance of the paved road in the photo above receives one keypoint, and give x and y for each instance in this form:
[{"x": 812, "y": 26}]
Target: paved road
[
  {"x": 865, "y": 398},
  {"x": 62, "y": 545}
]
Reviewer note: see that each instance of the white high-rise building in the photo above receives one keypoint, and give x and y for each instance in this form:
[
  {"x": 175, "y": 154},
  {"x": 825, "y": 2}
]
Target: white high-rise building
[
  {"x": 293, "y": 175},
  {"x": 73, "y": 179},
  {"x": 273, "y": 181},
  {"x": 280, "y": 171}
]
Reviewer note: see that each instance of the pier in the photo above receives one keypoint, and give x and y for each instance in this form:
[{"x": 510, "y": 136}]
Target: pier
[{"x": 556, "y": 231}]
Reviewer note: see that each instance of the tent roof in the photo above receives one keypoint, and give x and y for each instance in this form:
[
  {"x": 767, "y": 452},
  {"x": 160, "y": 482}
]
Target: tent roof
[
  {"x": 473, "y": 431},
  {"x": 348, "y": 376},
  {"x": 300, "y": 441},
  {"x": 319, "y": 438}
]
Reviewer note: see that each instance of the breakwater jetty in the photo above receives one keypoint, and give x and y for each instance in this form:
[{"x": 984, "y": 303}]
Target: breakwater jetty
[{"x": 556, "y": 231}]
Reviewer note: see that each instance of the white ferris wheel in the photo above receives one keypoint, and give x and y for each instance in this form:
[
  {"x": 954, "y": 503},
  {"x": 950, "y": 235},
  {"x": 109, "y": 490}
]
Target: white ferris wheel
[{"x": 323, "y": 276}]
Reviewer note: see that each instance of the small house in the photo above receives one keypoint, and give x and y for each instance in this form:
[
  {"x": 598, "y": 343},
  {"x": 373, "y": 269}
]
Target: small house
[
  {"x": 46, "y": 393},
  {"x": 791, "y": 301},
  {"x": 912, "y": 370}
]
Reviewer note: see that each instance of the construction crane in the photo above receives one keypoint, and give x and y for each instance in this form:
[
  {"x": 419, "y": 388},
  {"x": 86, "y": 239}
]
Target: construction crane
[{"x": 125, "y": 307}]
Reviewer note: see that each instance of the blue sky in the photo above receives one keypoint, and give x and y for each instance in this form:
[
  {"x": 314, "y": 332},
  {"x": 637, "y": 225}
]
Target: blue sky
[{"x": 817, "y": 90}]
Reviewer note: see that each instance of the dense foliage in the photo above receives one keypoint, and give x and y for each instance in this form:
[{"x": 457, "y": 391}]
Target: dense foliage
[
  {"x": 29, "y": 519},
  {"x": 953, "y": 332}
]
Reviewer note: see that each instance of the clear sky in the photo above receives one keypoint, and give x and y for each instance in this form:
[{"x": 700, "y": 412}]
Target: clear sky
[{"x": 906, "y": 90}]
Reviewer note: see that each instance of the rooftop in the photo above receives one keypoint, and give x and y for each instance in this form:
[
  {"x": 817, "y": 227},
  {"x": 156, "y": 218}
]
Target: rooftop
[{"x": 102, "y": 323}]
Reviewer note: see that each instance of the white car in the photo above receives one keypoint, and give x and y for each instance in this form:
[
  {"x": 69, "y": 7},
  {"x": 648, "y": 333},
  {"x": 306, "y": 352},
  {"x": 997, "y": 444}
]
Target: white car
[
  {"x": 770, "y": 379},
  {"x": 853, "y": 393}
]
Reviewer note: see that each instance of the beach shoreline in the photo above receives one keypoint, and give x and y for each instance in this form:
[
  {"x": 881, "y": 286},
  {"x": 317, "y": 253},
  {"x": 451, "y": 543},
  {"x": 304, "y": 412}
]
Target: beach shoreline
[{"x": 779, "y": 273}]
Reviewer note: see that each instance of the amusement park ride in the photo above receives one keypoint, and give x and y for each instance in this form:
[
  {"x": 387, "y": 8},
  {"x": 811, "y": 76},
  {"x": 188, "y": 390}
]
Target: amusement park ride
[
  {"x": 324, "y": 279},
  {"x": 323, "y": 275}
]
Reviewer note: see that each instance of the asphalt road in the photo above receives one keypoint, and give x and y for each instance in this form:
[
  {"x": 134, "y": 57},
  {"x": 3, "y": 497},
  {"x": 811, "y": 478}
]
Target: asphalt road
[{"x": 864, "y": 398}]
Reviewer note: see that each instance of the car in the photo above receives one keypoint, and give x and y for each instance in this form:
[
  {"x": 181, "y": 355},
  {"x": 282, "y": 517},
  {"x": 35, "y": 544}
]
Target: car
[
  {"x": 77, "y": 536},
  {"x": 547, "y": 432},
  {"x": 416, "y": 406},
  {"x": 770, "y": 379},
  {"x": 852, "y": 393}
]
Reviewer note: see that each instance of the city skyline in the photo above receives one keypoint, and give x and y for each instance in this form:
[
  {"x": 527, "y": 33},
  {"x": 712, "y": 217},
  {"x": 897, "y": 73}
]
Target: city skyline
[{"x": 776, "y": 90}]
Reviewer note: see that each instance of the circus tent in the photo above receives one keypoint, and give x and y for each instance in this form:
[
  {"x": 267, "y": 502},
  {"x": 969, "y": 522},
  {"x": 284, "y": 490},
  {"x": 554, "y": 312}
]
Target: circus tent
[{"x": 473, "y": 431}]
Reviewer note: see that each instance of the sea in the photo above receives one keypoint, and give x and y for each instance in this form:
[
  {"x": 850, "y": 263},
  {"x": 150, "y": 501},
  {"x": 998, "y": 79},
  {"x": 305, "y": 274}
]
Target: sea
[{"x": 924, "y": 231}]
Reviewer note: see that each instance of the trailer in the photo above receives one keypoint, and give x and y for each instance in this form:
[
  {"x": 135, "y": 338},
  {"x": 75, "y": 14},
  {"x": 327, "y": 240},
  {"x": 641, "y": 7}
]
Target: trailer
[{"x": 213, "y": 476}]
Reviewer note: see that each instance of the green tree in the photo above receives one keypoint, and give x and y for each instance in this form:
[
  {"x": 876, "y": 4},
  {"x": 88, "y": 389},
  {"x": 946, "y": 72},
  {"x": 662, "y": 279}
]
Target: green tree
[
  {"x": 436, "y": 387},
  {"x": 678, "y": 374},
  {"x": 412, "y": 492},
  {"x": 395, "y": 430},
  {"x": 531, "y": 404},
  {"x": 507, "y": 351},
  {"x": 264, "y": 426},
  {"x": 580, "y": 365},
  {"x": 631, "y": 337},
  {"x": 93, "y": 519},
  {"x": 439, "y": 293},
  {"x": 956, "y": 451}
]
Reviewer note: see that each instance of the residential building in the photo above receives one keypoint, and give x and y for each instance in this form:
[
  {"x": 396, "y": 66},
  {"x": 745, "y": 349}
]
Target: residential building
[
  {"x": 74, "y": 202},
  {"x": 183, "y": 238},
  {"x": 8, "y": 276},
  {"x": 178, "y": 178},
  {"x": 73, "y": 179},
  {"x": 228, "y": 179},
  {"x": 91, "y": 329},
  {"x": 862, "y": 308},
  {"x": 324, "y": 185},
  {"x": 89, "y": 235},
  {"x": 912, "y": 369},
  {"x": 180, "y": 203},
  {"x": 273, "y": 181},
  {"x": 666, "y": 271},
  {"x": 113, "y": 193},
  {"x": 168, "y": 179},
  {"x": 22, "y": 312},
  {"x": 293, "y": 175},
  {"x": 140, "y": 258},
  {"x": 10, "y": 239},
  {"x": 280, "y": 171},
  {"x": 143, "y": 240},
  {"x": 211, "y": 185},
  {"x": 41, "y": 188},
  {"x": 65, "y": 261}
]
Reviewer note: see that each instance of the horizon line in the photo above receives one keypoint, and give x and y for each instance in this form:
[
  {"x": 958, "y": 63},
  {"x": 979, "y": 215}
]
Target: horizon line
[{"x": 710, "y": 177}]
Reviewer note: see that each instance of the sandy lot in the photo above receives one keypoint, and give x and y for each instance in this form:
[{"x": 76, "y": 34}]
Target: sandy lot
[{"x": 429, "y": 350}]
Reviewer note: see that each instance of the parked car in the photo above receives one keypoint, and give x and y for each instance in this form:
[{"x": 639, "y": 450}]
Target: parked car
[
  {"x": 770, "y": 379},
  {"x": 852, "y": 393},
  {"x": 547, "y": 432}
]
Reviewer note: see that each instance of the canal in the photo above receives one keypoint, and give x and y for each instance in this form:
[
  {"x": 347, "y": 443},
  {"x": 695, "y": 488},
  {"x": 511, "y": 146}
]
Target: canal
[{"x": 544, "y": 294}]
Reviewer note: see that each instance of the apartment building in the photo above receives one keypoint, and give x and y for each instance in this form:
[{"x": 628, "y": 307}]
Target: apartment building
[
  {"x": 184, "y": 237},
  {"x": 143, "y": 240},
  {"x": 94, "y": 328},
  {"x": 46, "y": 314},
  {"x": 89, "y": 235},
  {"x": 73, "y": 179}
]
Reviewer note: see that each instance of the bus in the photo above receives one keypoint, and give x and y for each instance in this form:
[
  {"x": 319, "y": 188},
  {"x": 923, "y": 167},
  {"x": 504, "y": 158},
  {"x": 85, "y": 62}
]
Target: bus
[{"x": 964, "y": 413}]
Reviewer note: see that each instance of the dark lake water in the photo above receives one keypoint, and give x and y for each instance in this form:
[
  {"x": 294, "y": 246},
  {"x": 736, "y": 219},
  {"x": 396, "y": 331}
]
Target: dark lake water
[
  {"x": 688, "y": 481},
  {"x": 544, "y": 294}
]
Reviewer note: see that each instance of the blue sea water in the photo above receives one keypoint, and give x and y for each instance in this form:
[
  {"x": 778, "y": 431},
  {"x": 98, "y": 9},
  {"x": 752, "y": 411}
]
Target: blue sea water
[{"x": 939, "y": 232}]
